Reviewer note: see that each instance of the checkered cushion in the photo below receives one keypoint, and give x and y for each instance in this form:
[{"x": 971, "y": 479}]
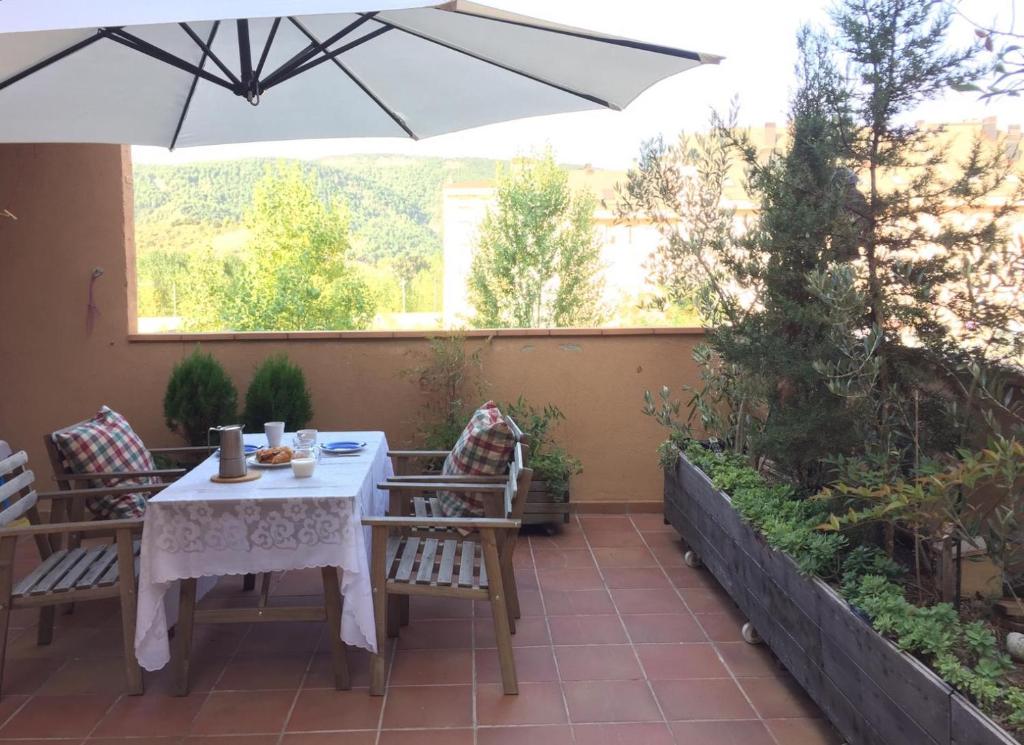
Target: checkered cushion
[
  {"x": 107, "y": 443},
  {"x": 484, "y": 449}
]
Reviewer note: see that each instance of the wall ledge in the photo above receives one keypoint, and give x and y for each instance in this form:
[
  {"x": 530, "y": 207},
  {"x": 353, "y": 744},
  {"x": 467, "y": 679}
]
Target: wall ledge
[{"x": 411, "y": 335}]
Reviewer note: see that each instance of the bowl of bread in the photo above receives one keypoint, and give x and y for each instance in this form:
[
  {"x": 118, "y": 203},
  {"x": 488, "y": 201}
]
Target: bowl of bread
[{"x": 278, "y": 457}]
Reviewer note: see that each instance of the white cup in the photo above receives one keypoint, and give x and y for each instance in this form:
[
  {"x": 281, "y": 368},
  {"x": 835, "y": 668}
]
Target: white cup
[{"x": 274, "y": 432}]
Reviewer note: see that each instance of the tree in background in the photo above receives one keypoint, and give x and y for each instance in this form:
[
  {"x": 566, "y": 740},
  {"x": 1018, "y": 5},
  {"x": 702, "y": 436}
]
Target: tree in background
[
  {"x": 296, "y": 274},
  {"x": 538, "y": 260}
]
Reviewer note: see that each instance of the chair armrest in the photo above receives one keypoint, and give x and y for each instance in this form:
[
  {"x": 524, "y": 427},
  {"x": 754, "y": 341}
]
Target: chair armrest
[
  {"x": 477, "y": 523},
  {"x": 93, "y": 526},
  {"x": 454, "y": 479},
  {"x": 417, "y": 453},
  {"x": 461, "y": 487},
  {"x": 63, "y": 477},
  {"x": 101, "y": 491}
]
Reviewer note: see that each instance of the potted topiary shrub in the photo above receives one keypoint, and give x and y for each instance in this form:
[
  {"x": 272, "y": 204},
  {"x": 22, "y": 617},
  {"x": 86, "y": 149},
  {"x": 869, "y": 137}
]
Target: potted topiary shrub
[
  {"x": 278, "y": 393},
  {"x": 199, "y": 395},
  {"x": 548, "y": 500}
]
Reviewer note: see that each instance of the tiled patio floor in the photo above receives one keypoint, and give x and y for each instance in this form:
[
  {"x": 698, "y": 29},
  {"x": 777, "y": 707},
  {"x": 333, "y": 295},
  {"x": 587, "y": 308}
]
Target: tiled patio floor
[{"x": 620, "y": 643}]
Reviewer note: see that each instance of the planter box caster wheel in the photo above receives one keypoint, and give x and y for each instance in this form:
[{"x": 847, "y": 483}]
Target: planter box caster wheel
[
  {"x": 750, "y": 635},
  {"x": 692, "y": 560}
]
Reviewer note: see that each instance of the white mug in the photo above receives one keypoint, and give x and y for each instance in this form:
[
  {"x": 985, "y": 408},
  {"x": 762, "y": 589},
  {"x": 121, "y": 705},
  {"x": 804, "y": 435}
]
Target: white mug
[{"x": 274, "y": 432}]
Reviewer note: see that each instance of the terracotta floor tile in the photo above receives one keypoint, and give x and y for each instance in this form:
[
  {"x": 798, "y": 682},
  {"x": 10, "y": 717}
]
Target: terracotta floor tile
[
  {"x": 364, "y": 737},
  {"x": 248, "y": 712},
  {"x": 533, "y": 665},
  {"x": 605, "y": 662},
  {"x": 652, "y": 628},
  {"x": 536, "y": 703},
  {"x": 78, "y": 715},
  {"x": 586, "y": 630},
  {"x": 636, "y": 578},
  {"x": 707, "y": 599},
  {"x": 321, "y": 669},
  {"x": 547, "y": 560},
  {"x": 152, "y": 714},
  {"x": 204, "y": 672},
  {"x": 624, "y": 558},
  {"x": 530, "y": 632},
  {"x": 429, "y": 706},
  {"x": 440, "y": 634},
  {"x": 529, "y": 604},
  {"x": 623, "y": 734},
  {"x": 281, "y": 639},
  {"x": 778, "y": 697},
  {"x": 663, "y": 539},
  {"x": 647, "y": 601},
  {"x": 651, "y": 521},
  {"x": 606, "y": 522},
  {"x": 610, "y": 701},
  {"x": 214, "y": 740},
  {"x": 531, "y": 735},
  {"x": 578, "y": 602},
  {"x": 684, "y": 576},
  {"x": 327, "y": 709},
  {"x": 570, "y": 537},
  {"x": 680, "y": 661},
  {"x": 669, "y": 555},
  {"x": 432, "y": 667},
  {"x": 426, "y": 737},
  {"x": 27, "y": 676},
  {"x": 702, "y": 699},
  {"x": 82, "y": 676},
  {"x": 750, "y": 660},
  {"x": 721, "y": 733},
  {"x": 722, "y": 627},
  {"x": 569, "y": 579},
  {"x": 803, "y": 732},
  {"x": 614, "y": 538},
  {"x": 262, "y": 673},
  {"x": 425, "y": 607},
  {"x": 176, "y": 740}
]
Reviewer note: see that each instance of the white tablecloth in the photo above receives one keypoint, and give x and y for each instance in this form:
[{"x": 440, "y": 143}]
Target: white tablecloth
[{"x": 196, "y": 528}]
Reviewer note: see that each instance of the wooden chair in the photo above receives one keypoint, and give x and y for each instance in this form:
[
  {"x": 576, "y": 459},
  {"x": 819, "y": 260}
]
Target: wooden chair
[
  {"x": 431, "y": 555},
  {"x": 66, "y": 575}
]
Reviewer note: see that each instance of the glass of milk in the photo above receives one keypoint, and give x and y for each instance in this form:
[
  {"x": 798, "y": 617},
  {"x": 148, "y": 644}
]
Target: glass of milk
[{"x": 303, "y": 462}]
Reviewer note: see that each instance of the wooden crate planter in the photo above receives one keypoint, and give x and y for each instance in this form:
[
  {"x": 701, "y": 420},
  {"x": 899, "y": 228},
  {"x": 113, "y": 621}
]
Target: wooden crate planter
[
  {"x": 544, "y": 507},
  {"x": 873, "y": 693}
]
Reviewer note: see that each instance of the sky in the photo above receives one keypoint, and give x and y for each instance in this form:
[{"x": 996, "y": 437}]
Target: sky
[{"x": 756, "y": 37}]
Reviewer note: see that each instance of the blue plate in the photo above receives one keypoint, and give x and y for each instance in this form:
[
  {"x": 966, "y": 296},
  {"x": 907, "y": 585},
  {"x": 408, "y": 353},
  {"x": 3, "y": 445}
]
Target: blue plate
[
  {"x": 249, "y": 450},
  {"x": 342, "y": 446}
]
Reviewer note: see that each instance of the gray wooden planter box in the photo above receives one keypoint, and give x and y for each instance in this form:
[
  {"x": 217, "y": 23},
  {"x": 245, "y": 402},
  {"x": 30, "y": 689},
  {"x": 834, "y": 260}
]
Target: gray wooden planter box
[
  {"x": 873, "y": 693},
  {"x": 545, "y": 507}
]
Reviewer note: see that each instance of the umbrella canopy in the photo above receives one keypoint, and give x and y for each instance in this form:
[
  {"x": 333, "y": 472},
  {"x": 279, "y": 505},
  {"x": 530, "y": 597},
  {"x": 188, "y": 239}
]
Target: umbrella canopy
[{"x": 205, "y": 72}]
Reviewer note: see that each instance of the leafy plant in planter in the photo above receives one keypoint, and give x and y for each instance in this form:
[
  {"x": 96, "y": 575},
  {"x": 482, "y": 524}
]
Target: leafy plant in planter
[
  {"x": 199, "y": 395},
  {"x": 550, "y": 462},
  {"x": 448, "y": 375},
  {"x": 278, "y": 393}
]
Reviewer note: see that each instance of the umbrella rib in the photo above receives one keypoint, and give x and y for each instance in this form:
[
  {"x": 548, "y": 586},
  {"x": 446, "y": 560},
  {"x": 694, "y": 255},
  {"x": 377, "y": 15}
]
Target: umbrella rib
[
  {"x": 151, "y": 50},
  {"x": 327, "y": 57},
  {"x": 502, "y": 65},
  {"x": 628, "y": 43},
  {"x": 208, "y": 52},
  {"x": 266, "y": 47},
  {"x": 305, "y": 55},
  {"x": 50, "y": 60},
  {"x": 355, "y": 79},
  {"x": 192, "y": 88}
]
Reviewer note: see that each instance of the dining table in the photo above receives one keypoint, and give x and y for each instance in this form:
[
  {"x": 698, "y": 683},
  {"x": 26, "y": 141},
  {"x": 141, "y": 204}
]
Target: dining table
[{"x": 196, "y": 528}]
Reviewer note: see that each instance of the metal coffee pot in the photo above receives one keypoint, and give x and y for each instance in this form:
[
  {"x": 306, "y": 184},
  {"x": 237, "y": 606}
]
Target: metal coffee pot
[{"x": 232, "y": 450}]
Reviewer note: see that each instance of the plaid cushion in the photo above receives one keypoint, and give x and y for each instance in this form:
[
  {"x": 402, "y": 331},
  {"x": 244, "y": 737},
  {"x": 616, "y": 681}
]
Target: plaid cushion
[
  {"x": 107, "y": 443},
  {"x": 484, "y": 449}
]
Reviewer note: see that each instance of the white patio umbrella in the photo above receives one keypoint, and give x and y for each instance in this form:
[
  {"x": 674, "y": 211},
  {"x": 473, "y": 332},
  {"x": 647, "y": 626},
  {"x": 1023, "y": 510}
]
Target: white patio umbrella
[{"x": 204, "y": 72}]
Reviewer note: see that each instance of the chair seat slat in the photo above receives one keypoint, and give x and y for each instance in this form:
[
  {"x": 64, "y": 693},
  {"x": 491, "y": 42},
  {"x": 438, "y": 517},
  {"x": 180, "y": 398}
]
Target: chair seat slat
[
  {"x": 92, "y": 575},
  {"x": 405, "y": 564},
  {"x": 70, "y": 580},
  {"x": 482, "y": 576},
  {"x": 419, "y": 506},
  {"x": 23, "y": 587},
  {"x": 444, "y": 574},
  {"x": 435, "y": 508},
  {"x": 55, "y": 575},
  {"x": 425, "y": 575},
  {"x": 112, "y": 574},
  {"x": 394, "y": 543},
  {"x": 468, "y": 548}
]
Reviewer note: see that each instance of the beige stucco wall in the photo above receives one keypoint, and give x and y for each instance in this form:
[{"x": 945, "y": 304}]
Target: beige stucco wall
[{"x": 72, "y": 209}]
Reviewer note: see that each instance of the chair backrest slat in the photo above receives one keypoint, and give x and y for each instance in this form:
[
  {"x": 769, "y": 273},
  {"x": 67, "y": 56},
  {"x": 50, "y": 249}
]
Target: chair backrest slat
[{"x": 17, "y": 485}]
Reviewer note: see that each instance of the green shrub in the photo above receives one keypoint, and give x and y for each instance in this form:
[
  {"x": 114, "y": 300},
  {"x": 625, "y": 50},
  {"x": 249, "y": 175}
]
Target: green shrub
[
  {"x": 550, "y": 462},
  {"x": 199, "y": 395},
  {"x": 278, "y": 393}
]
